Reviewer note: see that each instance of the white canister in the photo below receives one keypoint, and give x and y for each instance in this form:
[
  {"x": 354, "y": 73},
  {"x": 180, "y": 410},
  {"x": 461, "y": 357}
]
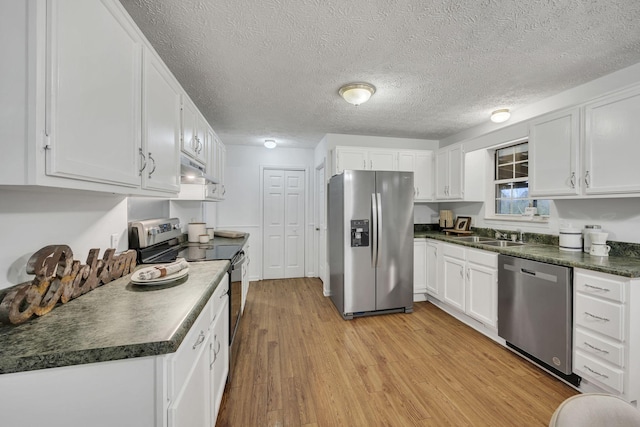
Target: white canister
[
  {"x": 586, "y": 237},
  {"x": 194, "y": 230},
  {"x": 570, "y": 239}
]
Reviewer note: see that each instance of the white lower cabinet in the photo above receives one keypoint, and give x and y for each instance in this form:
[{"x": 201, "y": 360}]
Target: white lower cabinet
[
  {"x": 606, "y": 344},
  {"x": 469, "y": 282},
  {"x": 433, "y": 287},
  {"x": 218, "y": 355},
  {"x": 419, "y": 269}
]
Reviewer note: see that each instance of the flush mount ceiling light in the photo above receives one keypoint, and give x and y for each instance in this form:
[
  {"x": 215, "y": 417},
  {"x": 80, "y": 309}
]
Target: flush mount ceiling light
[
  {"x": 500, "y": 116},
  {"x": 269, "y": 143},
  {"x": 357, "y": 93}
]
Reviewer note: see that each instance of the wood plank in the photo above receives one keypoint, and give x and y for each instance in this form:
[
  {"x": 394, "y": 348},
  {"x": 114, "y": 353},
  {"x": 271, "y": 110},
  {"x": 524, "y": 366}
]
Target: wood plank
[{"x": 301, "y": 364}]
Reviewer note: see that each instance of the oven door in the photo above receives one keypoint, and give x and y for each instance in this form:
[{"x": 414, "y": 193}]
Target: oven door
[{"x": 235, "y": 308}]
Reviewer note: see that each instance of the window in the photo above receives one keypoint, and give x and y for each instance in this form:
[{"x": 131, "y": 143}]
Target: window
[{"x": 512, "y": 182}]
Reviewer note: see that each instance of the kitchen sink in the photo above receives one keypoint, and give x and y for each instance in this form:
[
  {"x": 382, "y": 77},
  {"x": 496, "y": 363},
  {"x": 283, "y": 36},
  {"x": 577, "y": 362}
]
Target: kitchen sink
[
  {"x": 475, "y": 239},
  {"x": 501, "y": 243}
]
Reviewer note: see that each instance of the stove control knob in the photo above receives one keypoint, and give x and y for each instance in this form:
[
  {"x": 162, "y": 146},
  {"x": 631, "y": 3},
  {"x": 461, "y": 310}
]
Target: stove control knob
[
  {"x": 177, "y": 226},
  {"x": 154, "y": 230}
]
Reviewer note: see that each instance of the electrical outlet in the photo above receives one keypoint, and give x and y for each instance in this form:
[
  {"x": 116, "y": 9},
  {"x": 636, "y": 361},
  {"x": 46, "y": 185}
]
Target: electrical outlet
[{"x": 115, "y": 239}]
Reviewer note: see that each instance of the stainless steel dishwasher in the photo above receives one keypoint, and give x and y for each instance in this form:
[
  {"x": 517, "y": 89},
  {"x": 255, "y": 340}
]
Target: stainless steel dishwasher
[{"x": 535, "y": 312}]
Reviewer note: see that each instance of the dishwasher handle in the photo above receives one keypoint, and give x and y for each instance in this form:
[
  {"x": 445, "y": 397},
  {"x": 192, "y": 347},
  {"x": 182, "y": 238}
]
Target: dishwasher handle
[{"x": 528, "y": 272}]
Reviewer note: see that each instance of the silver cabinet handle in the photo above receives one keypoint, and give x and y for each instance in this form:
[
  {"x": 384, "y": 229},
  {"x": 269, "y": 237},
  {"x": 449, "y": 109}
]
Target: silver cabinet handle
[
  {"x": 154, "y": 165},
  {"x": 364, "y": 164},
  {"x": 587, "y": 179},
  {"x": 573, "y": 180},
  {"x": 461, "y": 272},
  {"x": 604, "y": 319},
  {"x": 144, "y": 161},
  {"x": 468, "y": 273},
  {"x": 200, "y": 340},
  {"x": 598, "y": 288},
  {"x": 594, "y": 372},
  {"x": 596, "y": 348},
  {"x": 371, "y": 164}
]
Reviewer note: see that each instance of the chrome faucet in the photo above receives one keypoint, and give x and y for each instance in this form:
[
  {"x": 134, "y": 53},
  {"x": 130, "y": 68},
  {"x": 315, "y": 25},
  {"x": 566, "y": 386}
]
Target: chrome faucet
[
  {"x": 521, "y": 236},
  {"x": 501, "y": 236}
]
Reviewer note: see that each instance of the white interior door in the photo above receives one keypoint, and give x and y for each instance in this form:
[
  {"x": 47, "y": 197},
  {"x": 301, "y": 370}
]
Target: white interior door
[
  {"x": 321, "y": 228},
  {"x": 273, "y": 224},
  {"x": 283, "y": 223},
  {"x": 294, "y": 224}
]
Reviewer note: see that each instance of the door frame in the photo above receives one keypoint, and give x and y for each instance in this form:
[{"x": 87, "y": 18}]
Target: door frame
[
  {"x": 320, "y": 204},
  {"x": 306, "y": 212}
]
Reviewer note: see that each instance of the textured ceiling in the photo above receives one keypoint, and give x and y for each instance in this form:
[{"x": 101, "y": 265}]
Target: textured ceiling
[{"x": 261, "y": 69}]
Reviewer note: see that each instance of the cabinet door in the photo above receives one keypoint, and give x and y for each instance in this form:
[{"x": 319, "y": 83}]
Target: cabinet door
[
  {"x": 192, "y": 142},
  {"x": 213, "y": 158},
  {"x": 407, "y": 161},
  {"x": 219, "y": 357},
  {"x": 432, "y": 269},
  {"x": 222, "y": 162},
  {"x": 553, "y": 154},
  {"x": 611, "y": 145},
  {"x": 442, "y": 170},
  {"x": 93, "y": 93},
  {"x": 453, "y": 281},
  {"x": 423, "y": 176},
  {"x": 419, "y": 267},
  {"x": 383, "y": 160},
  {"x": 456, "y": 169},
  {"x": 192, "y": 405},
  {"x": 161, "y": 127},
  {"x": 482, "y": 293},
  {"x": 348, "y": 158}
]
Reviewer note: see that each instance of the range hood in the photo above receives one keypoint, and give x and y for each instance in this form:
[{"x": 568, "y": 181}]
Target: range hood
[{"x": 192, "y": 172}]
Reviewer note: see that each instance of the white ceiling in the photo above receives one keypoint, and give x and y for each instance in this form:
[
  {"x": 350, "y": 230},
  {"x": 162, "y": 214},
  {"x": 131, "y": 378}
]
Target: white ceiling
[{"x": 261, "y": 69}]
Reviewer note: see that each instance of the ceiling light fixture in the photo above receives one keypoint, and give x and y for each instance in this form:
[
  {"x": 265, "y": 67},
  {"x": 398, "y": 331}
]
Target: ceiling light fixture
[
  {"x": 357, "y": 93},
  {"x": 269, "y": 143},
  {"x": 500, "y": 116}
]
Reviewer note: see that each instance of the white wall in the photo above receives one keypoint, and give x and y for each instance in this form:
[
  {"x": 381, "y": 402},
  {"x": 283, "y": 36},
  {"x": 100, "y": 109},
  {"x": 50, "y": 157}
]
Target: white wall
[
  {"x": 33, "y": 218},
  {"x": 241, "y": 209}
]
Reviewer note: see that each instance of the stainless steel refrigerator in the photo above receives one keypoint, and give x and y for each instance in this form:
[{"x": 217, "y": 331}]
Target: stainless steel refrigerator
[{"x": 371, "y": 242}]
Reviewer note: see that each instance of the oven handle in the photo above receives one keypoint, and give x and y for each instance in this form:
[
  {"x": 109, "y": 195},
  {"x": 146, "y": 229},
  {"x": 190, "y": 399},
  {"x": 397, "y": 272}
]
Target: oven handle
[{"x": 240, "y": 259}]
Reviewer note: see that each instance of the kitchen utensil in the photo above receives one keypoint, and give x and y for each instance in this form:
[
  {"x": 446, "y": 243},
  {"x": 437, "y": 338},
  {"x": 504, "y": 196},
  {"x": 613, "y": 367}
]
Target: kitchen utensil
[
  {"x": 570, "y": 239},
  {"x": 210, "y": 232},
  {"x": 599, "y": 249},
  {"x": 446, "y": 219},
  {"x": 203, "y": 238},
  {"x": 136, "y": 280},
  {"x": 194, "y": 230}
]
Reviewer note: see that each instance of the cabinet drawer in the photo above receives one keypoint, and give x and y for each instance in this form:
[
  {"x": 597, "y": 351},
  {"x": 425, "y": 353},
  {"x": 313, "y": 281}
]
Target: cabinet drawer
[
  {"x": 600, "y": 316},
  {"x": 601, "y": 286},
  {"x": 597, "y": 371},
  {"x": 488, "y": 259},
  {"x": 454, "y": 251},
  {"x": 187, "y": 354},
  {"x": 591, "y": 344}
]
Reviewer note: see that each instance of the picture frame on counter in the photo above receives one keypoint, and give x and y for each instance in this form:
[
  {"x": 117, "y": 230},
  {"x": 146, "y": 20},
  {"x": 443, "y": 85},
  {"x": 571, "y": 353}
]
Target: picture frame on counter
[{"x": 463, "y": 223}]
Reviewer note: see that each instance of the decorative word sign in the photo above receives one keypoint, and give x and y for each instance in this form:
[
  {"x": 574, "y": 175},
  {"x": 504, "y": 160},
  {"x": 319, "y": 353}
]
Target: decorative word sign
[{"x": 60, "y": 278}]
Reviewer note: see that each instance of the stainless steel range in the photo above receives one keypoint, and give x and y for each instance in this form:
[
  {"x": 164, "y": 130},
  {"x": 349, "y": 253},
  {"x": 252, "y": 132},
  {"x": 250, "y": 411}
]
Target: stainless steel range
[{"x": 161, "y": 240}]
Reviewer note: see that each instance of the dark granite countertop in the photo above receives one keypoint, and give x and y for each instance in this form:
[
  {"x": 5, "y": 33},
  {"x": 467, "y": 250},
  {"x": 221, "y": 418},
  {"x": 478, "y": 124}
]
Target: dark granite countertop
[
  {"x": 118, "y": 320},
  {"x": 618, "y": 265}
]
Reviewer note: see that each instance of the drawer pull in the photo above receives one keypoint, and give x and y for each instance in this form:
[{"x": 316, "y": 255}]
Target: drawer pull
[
  {"x": 598, "y": 288},
  {"x": 604, "y": 319},
  {"x": 596, "y": 348},
  {"x": 595, "y": 372},
  {"x": 200, "y": 340}
]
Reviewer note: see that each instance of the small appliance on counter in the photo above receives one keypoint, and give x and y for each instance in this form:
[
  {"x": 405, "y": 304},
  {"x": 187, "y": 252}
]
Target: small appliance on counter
[{"x": 586, "y": 237}]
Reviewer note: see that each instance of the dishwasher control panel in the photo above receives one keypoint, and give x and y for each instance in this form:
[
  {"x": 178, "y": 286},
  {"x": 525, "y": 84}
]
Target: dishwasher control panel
[{"x": 359, "y": 232}]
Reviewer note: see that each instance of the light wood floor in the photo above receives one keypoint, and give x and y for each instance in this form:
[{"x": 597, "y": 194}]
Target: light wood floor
[{"x": 301, "y": 364}]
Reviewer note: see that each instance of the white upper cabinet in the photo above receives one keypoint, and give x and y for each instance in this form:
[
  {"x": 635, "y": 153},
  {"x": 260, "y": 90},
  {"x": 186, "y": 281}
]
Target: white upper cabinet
[
  {"x": 449, "y": 173},
  {"x": 193, "y": 141},
  {"x": 421, "y": 164},
  {"x": 612, "y": 144},
  {"x": 93, "y": 93},
  {"x": 160, "y": 127},
  {"x": 554, "y": 142},
  {"x": 592, "y": 157},
  {"x": 362, "y": 158}
]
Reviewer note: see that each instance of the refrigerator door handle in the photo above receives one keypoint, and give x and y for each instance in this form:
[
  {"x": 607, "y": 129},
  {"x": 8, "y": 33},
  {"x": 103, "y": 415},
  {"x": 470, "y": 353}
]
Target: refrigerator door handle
[
  {"x": 379, "y": 225},
  {"x": 374, "y": 231}
]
